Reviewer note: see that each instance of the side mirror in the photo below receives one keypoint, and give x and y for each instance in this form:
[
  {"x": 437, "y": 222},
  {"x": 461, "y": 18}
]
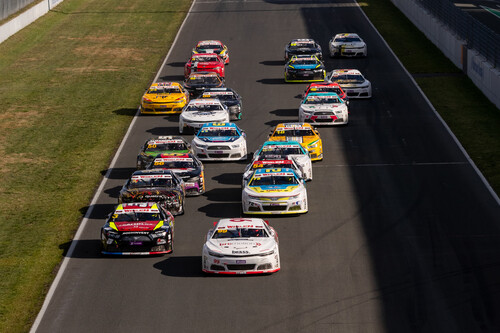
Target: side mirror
[{"x": 215, "y": 223}]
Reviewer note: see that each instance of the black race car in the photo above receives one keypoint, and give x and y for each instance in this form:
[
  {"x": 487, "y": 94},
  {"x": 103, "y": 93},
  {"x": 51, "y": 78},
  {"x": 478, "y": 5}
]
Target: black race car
[
  {"x": 228, "y": 97},
  {"x": 186, "y": 166},
  {"x": 303, "y": 47},
  {"x": 162, "y": 186},
  {"x": 161, "y": 145},
  {"x": 139, "y": 228},
  {"x": 196, "y": 82}
]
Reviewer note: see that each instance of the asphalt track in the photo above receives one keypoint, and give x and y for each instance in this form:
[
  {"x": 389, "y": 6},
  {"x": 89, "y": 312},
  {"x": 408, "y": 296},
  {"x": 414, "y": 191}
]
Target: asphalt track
[{"x": 402, "y": 235}]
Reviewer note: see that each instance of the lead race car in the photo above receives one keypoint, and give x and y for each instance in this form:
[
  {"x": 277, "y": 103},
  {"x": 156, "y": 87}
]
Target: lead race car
[
  {"x": 220, "y": 142},
  {"x": 157, "y": 185},
  {"x": 323, "y": 109},
  {"x": 187, "y": 167},
  {"x": 292, "y": 149},
  {"x": 201, "y": 111},
  {"x": 212, "y": 46},
  {"x": 143, "y": 228},
  {"x": 274, "y": 191},
  {"x": 303, "y": 46},
  {"x": 241, "y": 246},
  {"x": 347, "y": 45}
]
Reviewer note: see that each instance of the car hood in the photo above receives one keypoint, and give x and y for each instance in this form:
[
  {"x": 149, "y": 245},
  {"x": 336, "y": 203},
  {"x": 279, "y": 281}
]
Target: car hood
[
  {"x": 273, "y": 190},
  {"x": 217, "y": 139},
  {"x": 323, "y": 107},
  {"x": 148, "y": 194},
  {"x": 136, "y": 226},
  {"x": 187, "y": 173},
  {"x": 355, "y": 44},
  {"x": 205, "y": 64},
  {"x": 242, "y": 246},
  {"x": 203, "y": 115}
]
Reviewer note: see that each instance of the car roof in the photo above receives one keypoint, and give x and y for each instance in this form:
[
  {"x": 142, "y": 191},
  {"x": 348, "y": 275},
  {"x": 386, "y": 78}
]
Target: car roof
[
  {"x": 346, "y": 71},
  {"x": 347, "y": 34},
  {"x": 205, "y": 101},
  {"x": 293, "y": 125},
  {"x": 282, "y": 143},
  {"x": 152, "y": 172},
  {"x": 166, "y": 84},
  {"x": 167, "y": 139}
]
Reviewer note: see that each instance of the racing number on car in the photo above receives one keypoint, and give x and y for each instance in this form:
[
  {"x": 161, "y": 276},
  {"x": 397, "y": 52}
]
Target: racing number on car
[
  {"x": 152, "y": 146},
  {"x": 280, "y": 132},
  {"x": 159, "y": 163}
]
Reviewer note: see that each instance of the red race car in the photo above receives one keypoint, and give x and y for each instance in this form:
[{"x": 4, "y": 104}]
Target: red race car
[
  {"x": 327, "y": 87},
  {"x": 205, "y": 62}
]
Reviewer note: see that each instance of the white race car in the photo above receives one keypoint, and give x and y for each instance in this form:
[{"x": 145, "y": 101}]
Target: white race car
[
  {"x": 323, "y": 108},
  {"x": 274, "y": 191},
  {"x": 241, "y": 246},
  {"x": 201, "y": 111},
  {"x": 352, "y": 82},
  {"x": 280, "y": 149},
  {"x": 347, "y": 45},
  {"x": 220, "y": 142}
]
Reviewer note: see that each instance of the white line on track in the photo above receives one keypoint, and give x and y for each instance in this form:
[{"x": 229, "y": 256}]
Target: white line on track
[
  {"x": 471, "y": 162},
  {"x": 85, "y": 219}
]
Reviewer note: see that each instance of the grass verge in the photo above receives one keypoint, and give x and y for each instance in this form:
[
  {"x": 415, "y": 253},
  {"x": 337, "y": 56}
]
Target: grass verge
[
  {"x": 470, "y": 115},
  {"x": 62, "y": 117}
]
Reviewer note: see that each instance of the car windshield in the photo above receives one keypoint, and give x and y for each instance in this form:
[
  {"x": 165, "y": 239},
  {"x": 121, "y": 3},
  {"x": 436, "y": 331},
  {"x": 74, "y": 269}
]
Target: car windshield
[
  {"x": 322, "y": 100},
  {"x": 208, "y": 80},
  {"x": 348, "y": 78},
  {"x": 281, "y": 151},
  {"x": 240, "y": 233},
  {"x": 273, "y": 180},
  {"x": 204, "y": 58},
  {"x": 203, "y": 107},
  {"x": 164, "y": 90},
  {"x": 305, "y": 62},
  {"x": 301, "y": 45},
  {"x": 272, "y": 165},
  {"x": 294, "y": 132},
  {"x": 135, "y": 216},
  {"x": 186, "y": 164},
  {"x": 218, "y": 132},
  {"x": 150, "y": 182},
  {"x": 204, "y": 47},
  {"x": 327, "y": 89},
  {"x": 347, "y": 39},
  {"x": 158, "y": 147}
]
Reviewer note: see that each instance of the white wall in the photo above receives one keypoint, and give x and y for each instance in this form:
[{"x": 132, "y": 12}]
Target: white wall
[
  {"x": 26, "y": 18},
  {"x": 482, "y": 73}
]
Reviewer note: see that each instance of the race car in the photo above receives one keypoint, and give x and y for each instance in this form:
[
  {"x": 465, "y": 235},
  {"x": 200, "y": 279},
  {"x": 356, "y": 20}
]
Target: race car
[
  {"x": 138, "y": 228},
  {"x": 205, "y": 62},
  {"x": 196, "y": 82},
  {"x": 212, "y": 46},
  {"x": 158, "y": 185},
  {"x": 276, "y": 163},
  {"x": 304, "y": 69},
  {"x": 323, "y": 109},
  {"x": 201, "y": 111},
  {"x": 164, "y": 98},
  {"x": 352, "y": 82},
  {"x": 303, "y": 133},
  {"x": 292, "y": 149},
  {"x": 161, "y": 145},
  {"x": 303, "y": 46},
  {"x": 241, "y": 246},
  {"x": 347, "y": 45},
  {"x": 274, "y": 191},
  {"x": 186, "y": 166},
  {"x": 220, "y": 142},
  {"x": 228, "y": 97},
  {"x": 327, "y": 87}
]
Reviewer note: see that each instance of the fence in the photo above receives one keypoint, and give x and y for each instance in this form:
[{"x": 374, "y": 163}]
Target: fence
[
  {"x": 477, "y": 36},
  {"x": 8, "y": 7}
]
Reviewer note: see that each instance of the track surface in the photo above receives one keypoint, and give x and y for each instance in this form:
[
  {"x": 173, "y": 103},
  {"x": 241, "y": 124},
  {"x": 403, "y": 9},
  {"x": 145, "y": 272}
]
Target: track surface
[{"x": 401, "y": 235}]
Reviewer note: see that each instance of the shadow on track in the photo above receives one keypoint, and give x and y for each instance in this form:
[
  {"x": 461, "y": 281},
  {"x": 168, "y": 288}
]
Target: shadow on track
[{"x": 188, "y": 266}]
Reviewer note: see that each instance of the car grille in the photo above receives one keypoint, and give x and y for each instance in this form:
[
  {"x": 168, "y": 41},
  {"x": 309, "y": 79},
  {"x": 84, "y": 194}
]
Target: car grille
[
  {"x": 135, "y": 238},
  {"x": 218, "y": 148},
  {"x": 323, "y": 113},
  {"x": 323, "y": 120},
  {"x": 244, "y": 267},
  {"x": 274, "y": 208},
  {"x": 218, "y": 155}
]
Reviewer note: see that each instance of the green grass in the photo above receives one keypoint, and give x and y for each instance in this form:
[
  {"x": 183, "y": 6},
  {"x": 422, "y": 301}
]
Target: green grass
[
  {"x": 69, "y": 86},
  {"x": 470, "y": 115}
]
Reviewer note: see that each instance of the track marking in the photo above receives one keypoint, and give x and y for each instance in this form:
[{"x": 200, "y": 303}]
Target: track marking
[
  {"x": 388, "y": 164},
  {"x": 99, "y": 191}
]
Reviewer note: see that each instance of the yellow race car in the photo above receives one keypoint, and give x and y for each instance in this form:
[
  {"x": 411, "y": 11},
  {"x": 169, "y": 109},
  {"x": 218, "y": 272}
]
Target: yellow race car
[
  {"x": 164, "y": 98},
  {"x": 303, "y": 133}
]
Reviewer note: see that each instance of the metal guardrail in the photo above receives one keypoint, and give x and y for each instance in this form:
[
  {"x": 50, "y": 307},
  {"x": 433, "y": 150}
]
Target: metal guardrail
[
  {"x": 477, "y": 36},
  {"x": 8, "y": 7}
]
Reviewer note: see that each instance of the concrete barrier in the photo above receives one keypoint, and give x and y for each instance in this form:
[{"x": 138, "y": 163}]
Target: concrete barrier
[
  {"x": 26, "y": 18},
  {"x": 481, "y": 72}
]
